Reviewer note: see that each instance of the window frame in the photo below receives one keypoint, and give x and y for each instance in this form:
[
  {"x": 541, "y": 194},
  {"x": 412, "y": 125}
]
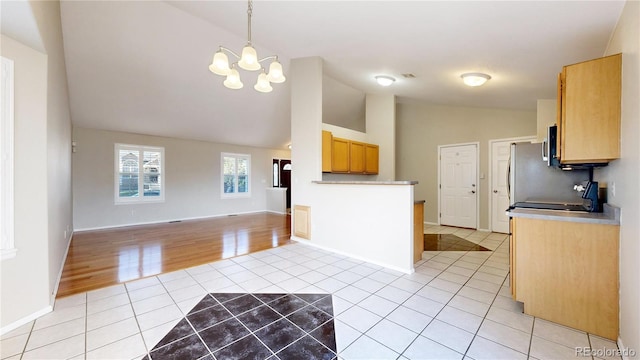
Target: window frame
[
  {"x": 235, "y": 194},
  {"x": 7, "y": 122},
  {"x": 141, "y": 149}
]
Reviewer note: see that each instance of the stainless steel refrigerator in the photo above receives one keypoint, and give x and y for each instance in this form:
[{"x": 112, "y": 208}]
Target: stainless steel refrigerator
[{"x": 534, "y": 184}]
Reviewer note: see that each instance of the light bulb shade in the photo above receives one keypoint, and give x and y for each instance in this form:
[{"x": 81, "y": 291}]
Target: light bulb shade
[
  {"x": 474, "y": 79},
  {"x": 275, "y": 74},
  {"x": 233, "y": 80},
  {"x": 220, "y": 64},
  {"x": 249, "y": 59},
  {"x": 384, "y": 80},
  {"x": 263, "y": 84}
]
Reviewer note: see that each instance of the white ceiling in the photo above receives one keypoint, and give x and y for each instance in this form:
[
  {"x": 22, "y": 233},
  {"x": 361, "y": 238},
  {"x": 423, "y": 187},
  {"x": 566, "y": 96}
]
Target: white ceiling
[{"x": 142, "y": 66}]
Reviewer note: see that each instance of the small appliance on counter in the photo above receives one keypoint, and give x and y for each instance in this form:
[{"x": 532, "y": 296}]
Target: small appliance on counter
[
  {"x": 534, "y": 184},
  {"x": 589, "y": 190}
]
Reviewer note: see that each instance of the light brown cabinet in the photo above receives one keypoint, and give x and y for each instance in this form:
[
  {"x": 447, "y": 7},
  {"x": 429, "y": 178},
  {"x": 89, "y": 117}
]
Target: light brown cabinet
[
  {"x": 372, "y": 154},
  {"x": 567, "y": 272},
  {"x": 345, "y": 156},
  {"x": 418, "y": 230},
  {"x": 327, "y": 137},
  {"x": 340, "y": 155},
  {"x": 588, "y": 114},
  {"x": 356, "y": 157}
]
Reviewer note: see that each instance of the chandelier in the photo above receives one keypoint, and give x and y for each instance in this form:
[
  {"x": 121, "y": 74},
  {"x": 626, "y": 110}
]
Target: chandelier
[{"x": 247, "y": 61}]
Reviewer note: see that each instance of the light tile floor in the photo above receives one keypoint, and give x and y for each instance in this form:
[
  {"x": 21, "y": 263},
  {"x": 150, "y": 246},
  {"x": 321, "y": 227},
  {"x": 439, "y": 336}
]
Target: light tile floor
[{"x": 456, "y": 305}]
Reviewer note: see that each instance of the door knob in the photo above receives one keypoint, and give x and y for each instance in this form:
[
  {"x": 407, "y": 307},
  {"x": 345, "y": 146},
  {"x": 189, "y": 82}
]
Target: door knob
[
  {"x": 473, "y": 185},
  {"x": 473, "y": 191},
  {"x": 495, "y": 191}
]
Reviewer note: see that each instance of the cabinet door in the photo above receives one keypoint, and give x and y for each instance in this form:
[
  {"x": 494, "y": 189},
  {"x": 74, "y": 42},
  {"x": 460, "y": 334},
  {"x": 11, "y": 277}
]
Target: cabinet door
[
  {"x": 356, "y": 157},
  {"x": 339, "y": 155},
  {"x": 326, "y": 151},
  {"x": 567, "y": 272},
  {"x": 512, "y": 257},
  {"x": 371, "y": 159},
  {"x": 590, "y": 127}
]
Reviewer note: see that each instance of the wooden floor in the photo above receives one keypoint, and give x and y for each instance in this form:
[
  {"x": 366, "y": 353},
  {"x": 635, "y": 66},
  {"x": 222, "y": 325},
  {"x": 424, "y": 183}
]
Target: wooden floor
[{"x": 101, "y": 258}]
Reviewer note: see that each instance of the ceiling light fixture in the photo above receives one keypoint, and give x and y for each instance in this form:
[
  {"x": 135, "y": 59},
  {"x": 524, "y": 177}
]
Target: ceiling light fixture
[
  {"x": 248, "y": 61},
  {"x": 475, "y": 79},
  {"x": 384, "y": 80}
]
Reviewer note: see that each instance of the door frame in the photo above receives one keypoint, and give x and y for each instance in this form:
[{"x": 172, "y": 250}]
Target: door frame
[
  {"x": 477, "y": 145},
  {"x": 531, "y": 138}
]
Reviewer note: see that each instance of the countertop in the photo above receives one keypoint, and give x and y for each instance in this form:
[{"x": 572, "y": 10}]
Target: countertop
[
  {"x": 610, "y": 215},
  {"x": 349, "y": 182}
]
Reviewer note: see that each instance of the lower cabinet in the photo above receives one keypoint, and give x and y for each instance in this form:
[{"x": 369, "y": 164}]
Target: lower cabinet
[
  {"x": 567, "y": 272},
  {"x": 418, "y": 230}
]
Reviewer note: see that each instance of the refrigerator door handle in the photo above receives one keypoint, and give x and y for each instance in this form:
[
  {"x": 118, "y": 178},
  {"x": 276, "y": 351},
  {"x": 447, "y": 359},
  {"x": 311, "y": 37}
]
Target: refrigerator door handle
[{"x": 509, "y": 180}]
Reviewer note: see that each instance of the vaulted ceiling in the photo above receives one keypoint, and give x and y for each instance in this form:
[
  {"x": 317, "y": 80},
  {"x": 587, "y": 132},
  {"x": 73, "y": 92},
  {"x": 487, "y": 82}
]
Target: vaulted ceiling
[{"x": 142, "y": 66}]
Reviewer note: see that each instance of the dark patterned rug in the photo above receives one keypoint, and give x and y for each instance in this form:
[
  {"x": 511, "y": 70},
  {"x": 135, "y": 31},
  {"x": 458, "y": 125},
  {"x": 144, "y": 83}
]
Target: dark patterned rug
[
  {"x": 253, "y": 326},
  {"x": 449, "y": 242}
]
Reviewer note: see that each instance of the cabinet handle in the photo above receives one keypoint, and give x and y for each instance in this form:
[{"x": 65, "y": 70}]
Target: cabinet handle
[
  {"x": 473, "y": 191},
  {"x": 495, "y": 191}
]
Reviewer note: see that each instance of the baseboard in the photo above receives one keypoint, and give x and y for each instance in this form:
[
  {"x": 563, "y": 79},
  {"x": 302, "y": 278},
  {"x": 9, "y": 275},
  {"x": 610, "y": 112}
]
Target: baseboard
[
  {"x": 54, "y": 293},
  {"x": 25, "y": 320},
  {"x": 276, "y": 212},
  {"x": 483, "y": 230},
  {"x": 309, "y": 243},
  {"x": 167, "y": 220},
  {"x": 625, "y": 352},
  {"x": 431, "y": 223}
]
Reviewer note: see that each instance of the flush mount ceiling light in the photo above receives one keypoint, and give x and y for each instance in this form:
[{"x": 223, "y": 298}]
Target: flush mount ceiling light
[
  {"x": 474, "y": 79},
  {"x": 247, "y": 61},
  {"x": 384, "y": 80}
]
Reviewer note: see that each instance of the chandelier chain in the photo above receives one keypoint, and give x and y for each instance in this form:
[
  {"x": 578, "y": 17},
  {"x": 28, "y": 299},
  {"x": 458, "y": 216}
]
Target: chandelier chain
[{"x": 249, "y": 14}]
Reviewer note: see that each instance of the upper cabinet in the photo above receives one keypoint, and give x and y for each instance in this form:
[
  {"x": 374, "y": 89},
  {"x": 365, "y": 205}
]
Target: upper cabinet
[
  {"x": 348, "y": 156},
  {"x": 327, "y": 137},
  {"x": 588, "y": 113}
]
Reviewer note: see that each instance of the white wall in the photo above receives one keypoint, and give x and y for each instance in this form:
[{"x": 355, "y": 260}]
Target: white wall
[
  {"x": 370, "y": 222},
  {"x": 421, "y": 127},
  {"x": 36, "y": 25},
  {"x": 191, "y": 175},
  {"x": 381, "y": 130},
  {"x": 625, "y": 172},
  {"x": 59, "y": 202},
  {"x": 342, "y": 105},
  {"x": 25, "y": 278}
]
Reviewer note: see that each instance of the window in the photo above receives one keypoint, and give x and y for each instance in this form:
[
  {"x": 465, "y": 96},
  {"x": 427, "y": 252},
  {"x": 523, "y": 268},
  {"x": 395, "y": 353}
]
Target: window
[
  {"x": 139, "y": 173},
  {"x": 7, "y": 247},
  {"x": 236, "y": 169}
]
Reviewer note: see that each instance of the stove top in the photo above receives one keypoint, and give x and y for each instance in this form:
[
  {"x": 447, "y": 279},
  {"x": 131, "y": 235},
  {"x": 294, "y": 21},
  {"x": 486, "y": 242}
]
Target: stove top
[{"x": 548, "y": 206}]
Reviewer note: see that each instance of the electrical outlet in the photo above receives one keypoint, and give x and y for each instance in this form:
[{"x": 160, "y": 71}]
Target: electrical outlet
[
  {"x": 613, "y": 189},
  {"x": 65, "y": 234}
]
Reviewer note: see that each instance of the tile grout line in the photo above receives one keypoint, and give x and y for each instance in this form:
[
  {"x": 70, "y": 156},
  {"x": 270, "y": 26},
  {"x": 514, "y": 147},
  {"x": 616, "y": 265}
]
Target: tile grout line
[
  {"x": 456, "y": 293},
  {"x": 24, "y": 347},
  {"x": 489, "y": 309}
]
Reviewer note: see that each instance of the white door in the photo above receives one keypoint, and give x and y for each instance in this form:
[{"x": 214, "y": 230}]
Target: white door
[
  {"x": 500, "y": 152},
  {"x": 458, "y": 188}
]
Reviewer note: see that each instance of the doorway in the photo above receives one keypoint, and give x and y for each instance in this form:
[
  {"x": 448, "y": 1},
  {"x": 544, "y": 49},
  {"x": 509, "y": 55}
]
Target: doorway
[
  {"x": 499, "y": 193},
  {"x": 458, "y": 190},
  {"x": 282, "y": 178}
]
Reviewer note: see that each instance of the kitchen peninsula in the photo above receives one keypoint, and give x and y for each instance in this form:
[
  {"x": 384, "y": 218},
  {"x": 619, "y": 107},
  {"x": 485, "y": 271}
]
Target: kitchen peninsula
[{"x": 369, "y": 220}]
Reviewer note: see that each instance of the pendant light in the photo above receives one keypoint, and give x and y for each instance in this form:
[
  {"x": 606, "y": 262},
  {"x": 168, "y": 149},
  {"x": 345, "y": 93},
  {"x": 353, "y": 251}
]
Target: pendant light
[{"x": 247, "y": 61}]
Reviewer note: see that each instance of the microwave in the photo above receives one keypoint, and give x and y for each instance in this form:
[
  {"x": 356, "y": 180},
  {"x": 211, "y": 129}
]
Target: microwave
[
  {"x": 550, "y": 147},
  {"x": 550, "y": 153}
]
